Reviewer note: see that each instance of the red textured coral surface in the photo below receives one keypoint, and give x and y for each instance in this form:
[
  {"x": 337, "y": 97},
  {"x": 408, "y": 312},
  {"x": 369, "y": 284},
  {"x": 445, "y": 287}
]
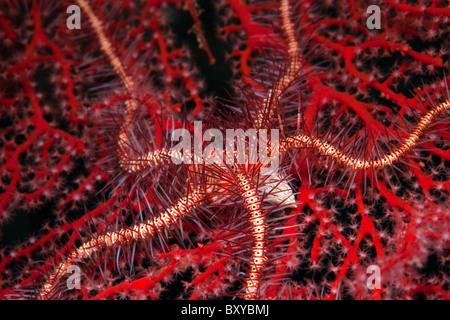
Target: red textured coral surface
[{"x": 56, "y": 85}]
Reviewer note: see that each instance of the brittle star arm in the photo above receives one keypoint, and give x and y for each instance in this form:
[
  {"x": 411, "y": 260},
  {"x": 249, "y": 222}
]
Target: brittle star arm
[
  {"x": 118, "y": 67},
  {"x": 151, "y": 159},
  {"x": 142, "y": 231},
  {"x": 304, "y": 141},
  {"x": 271, "y": 100},
  {"x": 257, "y": 220}
]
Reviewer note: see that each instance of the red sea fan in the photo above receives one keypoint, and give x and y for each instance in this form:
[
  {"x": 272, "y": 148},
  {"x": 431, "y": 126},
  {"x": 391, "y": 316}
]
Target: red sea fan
[{"x": 358, "y": 208}]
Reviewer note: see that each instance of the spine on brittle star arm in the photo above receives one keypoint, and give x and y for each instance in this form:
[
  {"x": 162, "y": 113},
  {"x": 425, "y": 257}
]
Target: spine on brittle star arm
[
  {"x": 258, "y": 223},
  {"x": 302, "y": 141},
  {"x": 145, "y": 230},
  {"x": 271, "y": 100},
  {"x": 119, "y": 69}
]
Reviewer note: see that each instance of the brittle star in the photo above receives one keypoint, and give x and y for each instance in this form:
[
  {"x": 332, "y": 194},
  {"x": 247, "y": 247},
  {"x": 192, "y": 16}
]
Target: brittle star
[{"x": 244, "y": 183}]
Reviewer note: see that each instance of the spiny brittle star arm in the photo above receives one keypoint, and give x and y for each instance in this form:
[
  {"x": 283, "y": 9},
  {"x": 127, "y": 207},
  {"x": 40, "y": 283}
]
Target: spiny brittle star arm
[
  {"x": 118, "y": 67},
  {"x": 304, "y": 141},
  {"x": 257, "y": 219},
  {"x": 128, "y": 163},
  {"x": 152, "y": 159},
  {"x": 142, "y": 231},
  {"x": 294, "y": 65}
]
